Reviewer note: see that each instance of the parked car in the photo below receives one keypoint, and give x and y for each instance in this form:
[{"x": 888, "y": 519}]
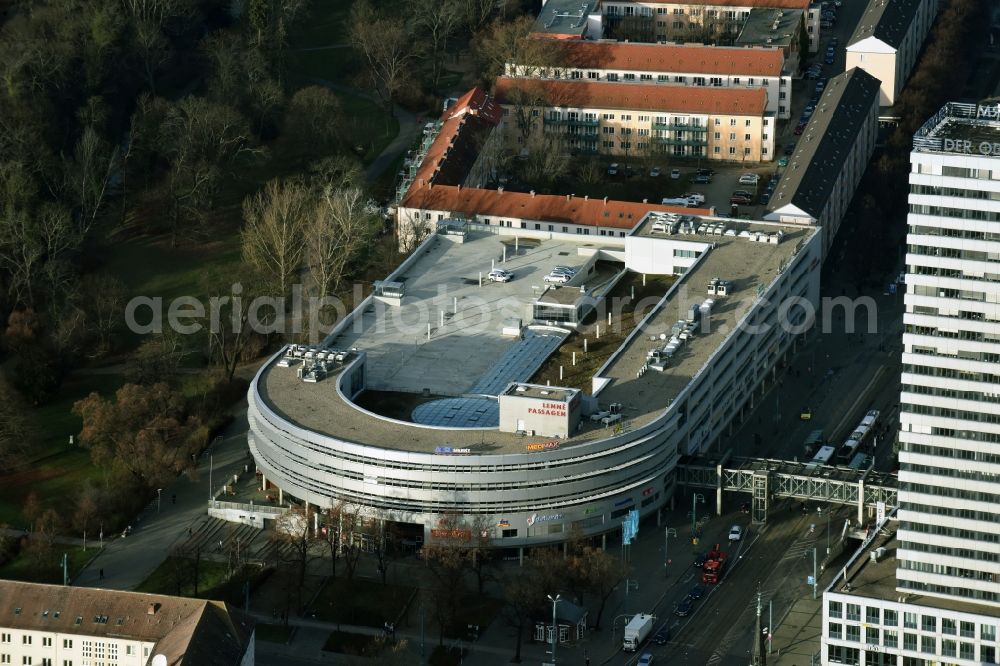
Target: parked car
[
  {"x": 705, "y": 172},
  {"x": 749, "y": 179},
  {"x": 740, "y": 200},
  {"x": 500, "y": 275},
  {"x": 654, "y": 172},
  {"x": 695, "y": 197},
  {"x": 806, "y": 414},
  {"x": 835, "y": 41},
  {"x": 701, "y": 179},
  {"x": 645, "y": 660},
  {"x": 662, "y": 637},
  {"x": 683, "y": 608},
  {"x": 766, "y": 197},
  {"x": 613, "y": 169},
  {"x": 697, "y": 592},
  {"x": 789, "y": 148},
  {"x": 564, "y": 269},
  {"x": 735, "y": 533},
  {"x": 799, "y": 129},
  {"x": 557, "y": 278},
  {"x": 828, "y": 59},
  {"x": 826, "y": 24},
  {"x": 675, "y": 174}
]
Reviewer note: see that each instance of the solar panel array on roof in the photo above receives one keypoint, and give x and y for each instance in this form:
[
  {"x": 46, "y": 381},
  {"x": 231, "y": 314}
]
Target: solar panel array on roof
[{"x": 518, "y": 363}]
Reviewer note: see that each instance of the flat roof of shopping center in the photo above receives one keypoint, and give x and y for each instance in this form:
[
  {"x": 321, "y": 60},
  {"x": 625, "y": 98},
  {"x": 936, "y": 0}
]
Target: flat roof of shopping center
[
  {"x": 746, "y": 264},
  {"x": 463, "y": 356}
]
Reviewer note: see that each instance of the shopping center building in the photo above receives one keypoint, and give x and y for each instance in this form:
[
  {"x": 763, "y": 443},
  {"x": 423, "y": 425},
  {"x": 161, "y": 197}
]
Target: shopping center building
[{"x": 438, "y": 396}]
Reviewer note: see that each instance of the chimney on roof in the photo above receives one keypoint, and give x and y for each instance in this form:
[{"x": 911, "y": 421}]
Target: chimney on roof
[
  {"x": 568, "y": 197},
  {"x": 532, "y": 193},
  {"x": 586, "y": 197},
  {"x": 153, "y": 607},
  {"x": 460, "y": 187},
  {"x": 605, "y": 200},
  {"x": 645, "y": 201},
  {"x": 500, "y": 188}
]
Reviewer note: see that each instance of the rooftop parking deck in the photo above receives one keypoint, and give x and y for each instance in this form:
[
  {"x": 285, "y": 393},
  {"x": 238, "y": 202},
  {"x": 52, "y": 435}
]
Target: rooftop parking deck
[{"x": 401, "y": 355}]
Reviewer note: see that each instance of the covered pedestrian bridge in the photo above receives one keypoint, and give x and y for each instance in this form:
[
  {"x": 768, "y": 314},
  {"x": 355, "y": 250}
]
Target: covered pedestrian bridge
[{"x": 768, "y": 480}]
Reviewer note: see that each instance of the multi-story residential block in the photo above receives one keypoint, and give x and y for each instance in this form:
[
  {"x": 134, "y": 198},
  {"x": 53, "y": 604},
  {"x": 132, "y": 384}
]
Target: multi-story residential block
[
  {"x": 53, "y": 625},
  {"x": 928, "y": 589},
  {"x": 670, "y": 64},
  {"x": 887, "y": 40},
  {"x": 635, "y": 119},
  {"x": 831, "y": 156},
  {"x": 707, "y": 21},
  {"x": 783, "y": 29}
]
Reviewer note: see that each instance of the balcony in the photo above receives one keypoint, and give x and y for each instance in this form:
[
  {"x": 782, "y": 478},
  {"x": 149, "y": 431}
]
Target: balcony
[
  {"x": 582, "y": 122},
  {"x": 679, "y": 142},
  {"x": 677, "y": 127}
]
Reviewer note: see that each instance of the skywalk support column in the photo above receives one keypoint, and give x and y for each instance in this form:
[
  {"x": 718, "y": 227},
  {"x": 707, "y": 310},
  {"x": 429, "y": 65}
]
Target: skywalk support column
[
  {"x": 718, "y": 489},
  {"x": 861, "y": 502}
]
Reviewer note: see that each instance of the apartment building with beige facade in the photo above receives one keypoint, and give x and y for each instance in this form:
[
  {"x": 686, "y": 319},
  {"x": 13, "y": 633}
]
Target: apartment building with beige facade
[
  {"x": 55, "y": 625},
  {"x": 709, "y": 21},
  {"x": 740, "y": 68},
  {"x": 637, "y": 120},
  {"x": 887, "y": 40}
]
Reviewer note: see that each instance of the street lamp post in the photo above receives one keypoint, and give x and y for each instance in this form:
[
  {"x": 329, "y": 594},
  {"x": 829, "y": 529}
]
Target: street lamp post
[
  {"x": 158, "y": 493},
  {"x": 828, "y": 533},
  {"x": 555, "y": 633},
  {"x": 667, "y": 532},
  {"x": 695, "y": 498}
]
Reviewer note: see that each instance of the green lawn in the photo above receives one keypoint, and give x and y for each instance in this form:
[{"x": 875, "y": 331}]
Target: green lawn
[
  {"x": 25, "y": 566},
  {"x": 57, "y": 470},
  {"x": 174, "y": 574},
  {"x": 149, "y": 266},
  {"x": 361, "y": 602}
]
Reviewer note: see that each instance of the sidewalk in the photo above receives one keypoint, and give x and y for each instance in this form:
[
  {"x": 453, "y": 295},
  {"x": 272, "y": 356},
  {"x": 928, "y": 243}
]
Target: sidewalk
[{"x": 126, "y": 562}]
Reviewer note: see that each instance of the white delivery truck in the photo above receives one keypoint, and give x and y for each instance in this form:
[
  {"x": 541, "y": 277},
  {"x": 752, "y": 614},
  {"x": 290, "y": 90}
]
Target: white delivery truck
[{"x": 636, "y": 631}]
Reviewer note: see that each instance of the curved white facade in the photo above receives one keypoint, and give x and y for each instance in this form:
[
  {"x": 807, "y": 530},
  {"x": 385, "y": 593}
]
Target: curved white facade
[
  {"x": 314, "y": 443},
  {"x": 589, "y": 485}
]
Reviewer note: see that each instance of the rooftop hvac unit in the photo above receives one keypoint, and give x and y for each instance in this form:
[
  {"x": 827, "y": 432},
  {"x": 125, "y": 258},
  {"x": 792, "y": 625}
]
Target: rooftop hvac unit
[{"x": 877, "y": 555}]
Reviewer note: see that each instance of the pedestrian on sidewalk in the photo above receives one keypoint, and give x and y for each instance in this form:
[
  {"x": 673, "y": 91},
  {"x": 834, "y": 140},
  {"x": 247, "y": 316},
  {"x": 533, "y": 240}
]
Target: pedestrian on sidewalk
[
  {"x": 173, "y": 499},
  {"x": 100, "y": 574}
]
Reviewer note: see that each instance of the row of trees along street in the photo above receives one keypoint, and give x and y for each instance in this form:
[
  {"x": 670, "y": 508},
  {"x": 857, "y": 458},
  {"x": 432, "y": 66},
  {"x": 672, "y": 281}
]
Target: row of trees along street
[{"x": 461, "y": 565}]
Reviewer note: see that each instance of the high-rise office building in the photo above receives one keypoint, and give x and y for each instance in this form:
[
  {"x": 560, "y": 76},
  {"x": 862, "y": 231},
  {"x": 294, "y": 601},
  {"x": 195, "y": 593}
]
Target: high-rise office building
[
  {"x": 949, "y": 499},
  {"x": 927, "y": 588}
]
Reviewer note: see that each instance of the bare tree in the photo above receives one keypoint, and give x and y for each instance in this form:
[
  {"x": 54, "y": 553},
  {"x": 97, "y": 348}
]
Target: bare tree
[
  {"x": 273, "y": 236},
  {"x": 105, "y": 298},
  {"x": 546, "y": 161},
  {"x": 148, "y": 19},
  {"x": 436, "y": 21},
  {"x": 341, "y": 229},
  {"x": 411, "y": 230},
  {"x": 509, "y": 42},
  {"x": 94, "y": 163},
  {"x": 200, "y": 139},
  {"x": 386, "y": 49},
  {"x": 294, "y": 538},
  {"x": 477, "y": 14},
  {"x": 313, "y": 118},
  {"x": 16, "y": 433}
]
